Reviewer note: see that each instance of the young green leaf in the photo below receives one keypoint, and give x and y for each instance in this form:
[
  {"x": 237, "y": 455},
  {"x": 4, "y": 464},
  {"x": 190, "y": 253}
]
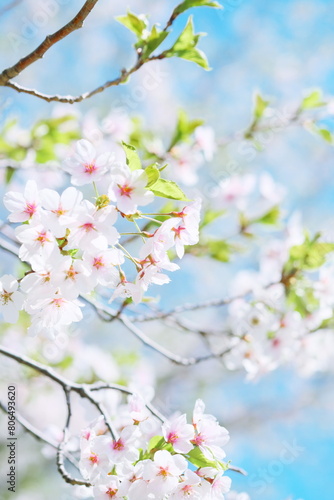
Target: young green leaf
[
  {"x": 156, "y": 443},
  {"x": 310, "y": 255},
  {"x": 188, "y": 4},
  {"x": 326, "y": 134},
  {"x": 152, "y": 42},
  {"x": 186, "y": 46},
  {"x": 136, "y": 24},
  {"x": 196, "y": 457},
  {"x": 168, "y": 189},
  {"x": 10, "y": 171},
  {"x": 260, "y": 106},
  {"x": 153, "y": 175},
  {"x": 184, "y": 128},
  {"x": 132, "y": 158},
  {"x": 312, "y": 100},
  {"x": 210, "y": 216},
  {"x": 270, "y": 218}
]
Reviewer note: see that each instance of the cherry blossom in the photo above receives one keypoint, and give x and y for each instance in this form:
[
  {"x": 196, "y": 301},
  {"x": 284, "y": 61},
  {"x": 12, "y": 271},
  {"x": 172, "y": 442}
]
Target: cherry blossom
[
  {"x": 60, "y": 209},
  {"x": 11, "y": 299},
  {"x": 190, "y": 487},
  {"x": 121, "y": 449},
  {"x": 36, "y": 240},
  {"x": 93, "y": 228},
  {"x": 85, "y": 166},
  {"x": 128, "y": 189},
  {"x": 24, "y": 206},
  {"x": 179, "y": 434},
  {"x": 163, "y": 472}
]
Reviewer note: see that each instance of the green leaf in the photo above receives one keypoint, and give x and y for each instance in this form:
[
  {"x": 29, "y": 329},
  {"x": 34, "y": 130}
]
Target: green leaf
[
  {"x": 312, "y": 100},
  {"x": 196, "y": 457},
  {"x": 322, "y": 132},
  {"x": 310, "y": 255},
  {"x": 210, "y": 216},
  {"x": 326, "y": 134},
  {"x": 153, "y": 174},
  {"x": 186, "y": 46},
  {"x": 219, "y": 250},
  {"x": 184, "y": 128},
  {"x": 188, "y": 4},
  {"x": 301, "y": 299},
  {"x": 153, "y": 41},
  {"x": 136, "y": 24},
  {"x": 156, "y": 443},
  {"x": 132, "y": 158},
  {"x": 168, "y": 189},
  {"x": 270, "y": 218},
  {"x": 10, "y": 171},
  {"x": 260, "y": 106}
]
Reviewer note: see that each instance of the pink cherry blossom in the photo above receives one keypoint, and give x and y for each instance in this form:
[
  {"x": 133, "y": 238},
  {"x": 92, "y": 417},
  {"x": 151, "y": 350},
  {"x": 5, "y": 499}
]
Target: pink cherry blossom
[
  {"x": 85, "y": 166},
  {"x": 163, "y": 472},
  {"x": 128, "y": 190},
  {"x": 179, "y": 434},
  {"x": 24, "y": 206},
  {"x": 60, "y": 209}
]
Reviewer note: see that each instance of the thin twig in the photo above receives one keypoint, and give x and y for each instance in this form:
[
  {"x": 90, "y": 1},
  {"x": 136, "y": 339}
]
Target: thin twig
[
  {"x": 39, "y": 435},
  {"x": 76, "y": 23}
]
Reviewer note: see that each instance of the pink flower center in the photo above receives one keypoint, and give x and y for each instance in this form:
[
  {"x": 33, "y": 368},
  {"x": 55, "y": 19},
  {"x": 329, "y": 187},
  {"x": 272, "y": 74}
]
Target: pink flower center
[
  {"x": 172, "y": 437},
  {"x": 118, "y": 445},
  {"x": 94, "y": 458},
  {"x": 88, "y": 226},
  {"x": 276, "y": 342},
  {"x": 98, "y": 262},
  {"x": 111, "y": 492},
  {"x": 86, "y": 435},
  {"x": 178, "y": 231},
  {"x": 58, "y": 302},
  {"x": 187, "y": 489},
  {"x": 30, "y": 209},
  {"x": 42, "y": 237},
  {"x": 125, "y": 190},
  {"x": 90, "y": 168},
  {"x": 163, "y": 471},
  {"x": 199, "y": 439}
]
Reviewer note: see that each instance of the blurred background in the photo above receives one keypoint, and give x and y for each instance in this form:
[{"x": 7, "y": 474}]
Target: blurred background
[{"x": 280, "y": 49}]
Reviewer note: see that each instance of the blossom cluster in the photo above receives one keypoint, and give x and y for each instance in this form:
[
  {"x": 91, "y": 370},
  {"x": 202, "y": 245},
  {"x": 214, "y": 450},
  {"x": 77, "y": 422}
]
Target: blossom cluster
[
  {"x": 153, "y": 459},
  {"x": 289, "y": 318},
  {"x": 72, "y": 244}
]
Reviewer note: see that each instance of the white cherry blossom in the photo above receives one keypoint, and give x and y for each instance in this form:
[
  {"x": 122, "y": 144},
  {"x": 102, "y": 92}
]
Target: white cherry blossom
[
  {"x": 128, "y": 189},
  {"x": 85, "y": 166},
  {"x": 23, "y": 206},
  {"x": 11, "y": 299}
]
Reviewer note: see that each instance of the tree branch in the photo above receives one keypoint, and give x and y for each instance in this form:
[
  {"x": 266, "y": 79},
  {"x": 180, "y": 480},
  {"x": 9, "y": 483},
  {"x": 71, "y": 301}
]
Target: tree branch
[
  {"x": 72, "y": 99},
  {"x": 76, "y": 23}
]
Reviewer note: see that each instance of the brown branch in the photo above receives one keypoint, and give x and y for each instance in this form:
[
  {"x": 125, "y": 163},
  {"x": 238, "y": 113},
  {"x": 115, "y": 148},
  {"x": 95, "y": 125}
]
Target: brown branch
[
  {"x": 76, "y": 23},
  {"x": 86, "y": 95}
]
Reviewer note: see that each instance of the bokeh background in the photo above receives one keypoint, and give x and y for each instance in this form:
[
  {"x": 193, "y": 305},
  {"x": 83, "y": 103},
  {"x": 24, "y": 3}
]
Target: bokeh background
[{"x": 282, "y": 49}]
